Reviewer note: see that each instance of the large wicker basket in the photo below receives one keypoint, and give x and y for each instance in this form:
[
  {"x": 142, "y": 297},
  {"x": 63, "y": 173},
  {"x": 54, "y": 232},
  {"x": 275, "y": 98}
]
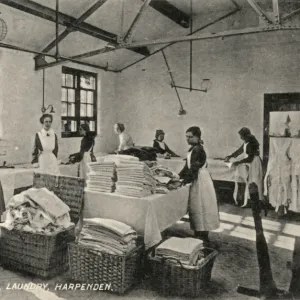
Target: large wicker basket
[
  {"x": 175, "y": 279},
  {"x": 69, "y": 189},
  {"x": 92, "y": 266},
  {"x": 35, "y": 253}
]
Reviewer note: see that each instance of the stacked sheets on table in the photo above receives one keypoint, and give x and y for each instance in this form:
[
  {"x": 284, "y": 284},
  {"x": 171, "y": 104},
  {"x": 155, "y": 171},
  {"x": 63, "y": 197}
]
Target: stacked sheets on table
[{"x": 102, "y": 177}]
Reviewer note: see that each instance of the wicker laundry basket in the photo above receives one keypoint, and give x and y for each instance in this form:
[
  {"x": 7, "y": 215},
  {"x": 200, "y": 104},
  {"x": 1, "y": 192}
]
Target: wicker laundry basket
[
  {"x": 174, "y": 279},
  {"x": 40, "y": 254},
  {"x": 93, "y": 266}
]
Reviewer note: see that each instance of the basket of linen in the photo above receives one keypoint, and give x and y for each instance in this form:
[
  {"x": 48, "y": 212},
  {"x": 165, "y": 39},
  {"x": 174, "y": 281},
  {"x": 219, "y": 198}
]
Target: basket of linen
[
  {"x": 106, "y": 252},
  {"x": 181, "y": 267},
  {"x": 36, "y": 232}
]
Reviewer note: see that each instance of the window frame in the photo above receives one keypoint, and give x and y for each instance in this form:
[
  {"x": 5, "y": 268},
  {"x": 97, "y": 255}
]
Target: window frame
[{"x": 76, "y": 73}]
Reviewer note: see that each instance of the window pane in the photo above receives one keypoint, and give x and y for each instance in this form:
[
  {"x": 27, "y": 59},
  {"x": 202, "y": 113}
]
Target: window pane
[
  {"x": 87, "y": 82},
  {"x": 64, "y": 109},
  {"x": 64, "y": 95},
  {"x": 90, "y": 97},
  {"x": 63, "y": 79},
  {"x": 83, "y": 96},
  {"x": 73, "y": 126},
  {"x": 71, "y": 109},
  {"x": 90, "y": 111},
  {"x": 69, "y": 82},
  {"x": 92, "y": 125},
  {"x": 71, "y": 95},
  {"x": 66, "y": 126},
  {"x": 83, "y": 110},
  {"x": 76, "y": 82}
]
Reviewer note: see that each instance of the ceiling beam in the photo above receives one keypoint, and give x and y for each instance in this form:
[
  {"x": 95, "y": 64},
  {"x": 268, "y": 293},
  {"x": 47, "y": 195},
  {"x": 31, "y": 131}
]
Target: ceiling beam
[
  {"x": 67, "y": 31},
  {"x": 27, "y": 50},
  {"x": 207, "y": 36},
  {"x": 49, "y": 14},
  {"x": 199, "y": 29},
  {"x": 172, "y": 12},
  {"x": 276, "y": 11},
  {"x": 291, "y": 15},
  {"x": 135, "y": 22},
  {"x": 262, "y": 14}
]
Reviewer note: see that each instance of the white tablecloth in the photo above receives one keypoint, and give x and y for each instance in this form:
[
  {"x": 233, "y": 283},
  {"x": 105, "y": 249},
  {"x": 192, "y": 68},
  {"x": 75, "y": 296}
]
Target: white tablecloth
[{"x": 149, "y": 216}]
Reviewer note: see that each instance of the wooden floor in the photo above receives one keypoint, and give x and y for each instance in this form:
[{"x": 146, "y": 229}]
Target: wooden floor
[{"x": 236, "y": 262}]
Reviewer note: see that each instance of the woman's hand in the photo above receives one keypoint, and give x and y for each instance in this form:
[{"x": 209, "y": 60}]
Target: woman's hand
[
  {"x": 35, "y": 165},
  {"x": 227, "y": 158}
]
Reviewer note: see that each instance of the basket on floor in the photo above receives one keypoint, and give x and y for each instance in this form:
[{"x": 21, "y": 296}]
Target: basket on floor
[
  {"x": 35, "y": 253},
  {"x": 90, "y": 266},
  {"x": 69, "y": 189},
  {"x": 174, "y": 279}
]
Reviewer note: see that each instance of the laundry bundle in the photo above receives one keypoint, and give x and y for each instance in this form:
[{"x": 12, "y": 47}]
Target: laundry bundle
[
  {"x": 107, "y": 235},
  {"x": 37, "y": 210},
  {"x": 186, "y": 250},
  {"x": 102, "y": 177},
  {"x": 166, "y": 180}
]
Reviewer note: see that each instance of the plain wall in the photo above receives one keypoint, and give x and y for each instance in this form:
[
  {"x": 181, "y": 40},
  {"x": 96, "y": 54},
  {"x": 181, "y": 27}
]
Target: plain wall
[
  {"x": 21, "y": 102},
  {"x": 241, "y": 69}
]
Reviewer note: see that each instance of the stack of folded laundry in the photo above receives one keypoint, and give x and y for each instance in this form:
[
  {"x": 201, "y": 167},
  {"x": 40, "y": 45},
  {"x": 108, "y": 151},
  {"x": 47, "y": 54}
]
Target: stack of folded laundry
[
  {"x": 102, "y": 177},
  {"x": 134, "y": 177},
  {"x": 166, "y": 180},
  {"x": 107, "y": 235},
  {"x": 186, "y": 250}
]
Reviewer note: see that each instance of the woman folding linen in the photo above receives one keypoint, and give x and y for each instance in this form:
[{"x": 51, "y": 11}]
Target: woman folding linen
[
  {"x": 45, "y": 148},
  {"x": 160, "y": 146},
  {"x": 203, "y": 208},
  {"x": 125, "y": 139},
  {"x": 249, "y": 168},
  {"x": 85, "y": 155}
]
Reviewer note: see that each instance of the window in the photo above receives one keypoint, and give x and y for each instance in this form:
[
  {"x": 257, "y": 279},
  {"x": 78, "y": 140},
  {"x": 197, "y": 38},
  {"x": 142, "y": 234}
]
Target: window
[{"x": 78, "y": 100}]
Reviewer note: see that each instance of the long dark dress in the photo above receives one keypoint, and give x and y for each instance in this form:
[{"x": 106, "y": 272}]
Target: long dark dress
[{"x": 160, "y": 150}]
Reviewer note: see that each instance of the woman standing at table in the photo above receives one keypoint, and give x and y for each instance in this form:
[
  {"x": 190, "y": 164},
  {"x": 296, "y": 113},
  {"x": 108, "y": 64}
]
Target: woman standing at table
[
  {"x": 86, "y": 154},
  {"x": 125, "y": 140},
  {"x": 203, "y": 208},
  {"x": 249, "y": 168},
  {"x": 161, "y": 146},
  {"x": 45, "y": 148}
]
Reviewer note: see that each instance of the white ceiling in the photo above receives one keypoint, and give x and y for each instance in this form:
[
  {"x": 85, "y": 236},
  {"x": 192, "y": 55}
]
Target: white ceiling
[{"x": 35, "y": 33}]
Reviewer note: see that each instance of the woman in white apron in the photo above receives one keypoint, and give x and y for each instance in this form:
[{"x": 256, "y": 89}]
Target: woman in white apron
[
  {"x": 249, "y": 168},
  {"x": 45, "y": 148},
  {"x": 85, "y": 155},
  {"x": 203, "y": 207}
]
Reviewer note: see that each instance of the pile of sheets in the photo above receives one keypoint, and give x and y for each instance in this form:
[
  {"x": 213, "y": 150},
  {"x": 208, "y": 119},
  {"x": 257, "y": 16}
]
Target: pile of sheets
[
  {"x": 107, "y": 235},
  {"x": 37, "y": 210},
  {"x": 134, "y": 177},
  {"x": 102, "y": 177},
  {"x": 166, "y": 180},
  {"x": 186, "y": 250}
]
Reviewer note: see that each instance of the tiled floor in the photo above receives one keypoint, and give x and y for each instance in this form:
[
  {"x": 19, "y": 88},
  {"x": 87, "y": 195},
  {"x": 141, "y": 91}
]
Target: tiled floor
[{"x": 235, "y": 264}]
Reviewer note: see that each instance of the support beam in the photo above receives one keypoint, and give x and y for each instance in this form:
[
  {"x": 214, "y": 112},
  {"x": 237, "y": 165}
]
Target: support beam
[
  {"x": 199, "y": 29},
  {"x": 276, "y": 12},
  {"x": 27, "y": 50},
  {"x": 135, "y": 22},
  {"x": 262, "y": 14},
  {"x": 291, "y": 15},
  {"x": 49, "y": 14},
  {"x": 68, "y": 30},
  {"x": 207, "y": 36},
  {"x": 171, "y": 12}
]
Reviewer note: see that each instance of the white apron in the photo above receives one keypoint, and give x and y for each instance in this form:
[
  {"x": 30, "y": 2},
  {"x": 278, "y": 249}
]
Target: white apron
[
  {"x": 47, "y": 160},
  {"x": 83, "y": 167},
  {"x": 203, "y": 207},
  {"x": 249, "y": 173}
]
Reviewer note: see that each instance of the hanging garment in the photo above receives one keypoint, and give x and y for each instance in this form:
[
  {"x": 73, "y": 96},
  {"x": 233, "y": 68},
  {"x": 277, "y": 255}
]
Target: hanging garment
[
  {"x": 295, "y": 169},
  {"x": 249, "y": 173},
  {"x": 277, "y": 179},
  {"x": 203, "y": 207}
]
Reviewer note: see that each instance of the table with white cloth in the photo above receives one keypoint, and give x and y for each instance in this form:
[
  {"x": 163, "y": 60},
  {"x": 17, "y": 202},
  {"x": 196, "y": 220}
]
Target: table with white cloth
[{"x": 149, "y": 216}]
